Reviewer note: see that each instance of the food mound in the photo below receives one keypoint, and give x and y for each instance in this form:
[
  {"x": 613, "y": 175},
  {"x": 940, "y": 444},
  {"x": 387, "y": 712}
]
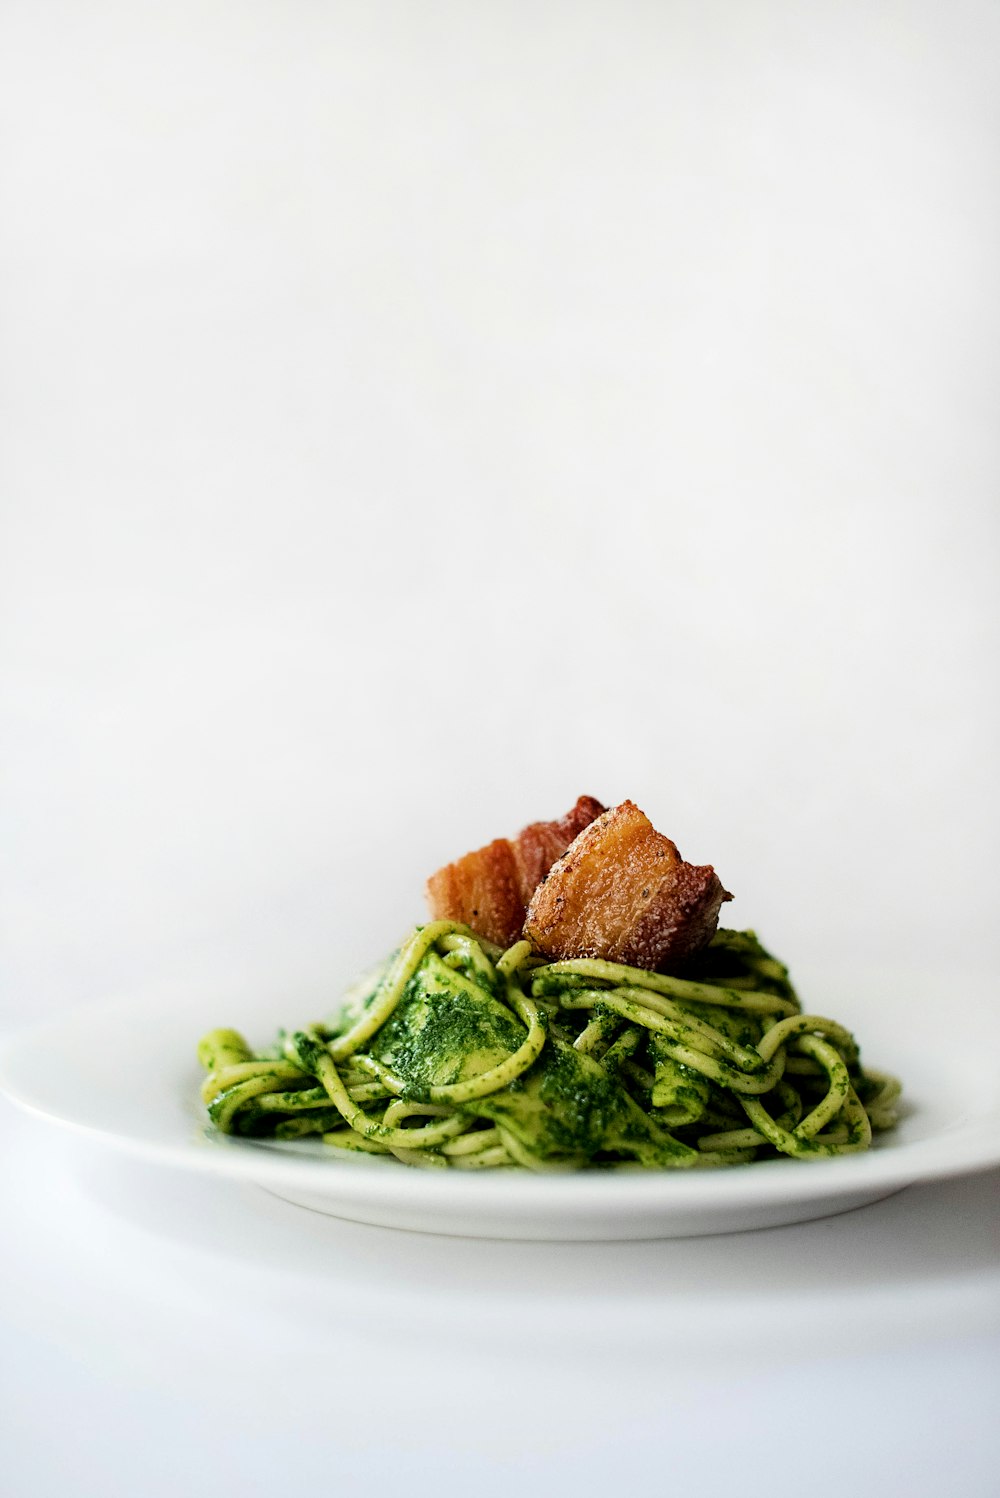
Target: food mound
[{"x": 572, "y": 1003}]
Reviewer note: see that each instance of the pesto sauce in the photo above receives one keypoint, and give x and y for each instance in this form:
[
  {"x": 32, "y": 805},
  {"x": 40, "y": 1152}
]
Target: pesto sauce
[
  {"x": 616, "y": 1100},
  {"x": 567, "y": 1104},
  {"x": 445, "y": 1029}
]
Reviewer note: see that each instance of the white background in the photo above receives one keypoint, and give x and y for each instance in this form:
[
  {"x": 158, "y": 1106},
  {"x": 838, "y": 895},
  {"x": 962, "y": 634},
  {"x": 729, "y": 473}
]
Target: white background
[{"x": 417, "y": 414}]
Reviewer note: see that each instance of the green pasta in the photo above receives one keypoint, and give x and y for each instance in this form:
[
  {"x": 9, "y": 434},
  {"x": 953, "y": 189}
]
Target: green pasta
[{"x": 459, "y": 1055}]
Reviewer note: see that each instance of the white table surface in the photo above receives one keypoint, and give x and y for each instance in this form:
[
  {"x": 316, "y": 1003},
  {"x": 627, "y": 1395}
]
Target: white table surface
[{"x": 165, "y": 1334}]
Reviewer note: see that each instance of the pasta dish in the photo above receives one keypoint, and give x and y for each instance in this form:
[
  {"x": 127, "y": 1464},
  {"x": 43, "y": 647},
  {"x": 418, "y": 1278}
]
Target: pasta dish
[{"x": 572, "y": 1003}]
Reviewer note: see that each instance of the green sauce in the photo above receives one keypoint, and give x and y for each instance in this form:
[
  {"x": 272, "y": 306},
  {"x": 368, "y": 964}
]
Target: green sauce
[{"x": 455, "y": 1055}]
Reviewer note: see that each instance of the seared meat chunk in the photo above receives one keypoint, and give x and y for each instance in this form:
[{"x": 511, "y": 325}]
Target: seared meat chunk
[
  {"x": 538, "y": 846},
  {"x": 481, "y": 890},
  {"x": 623, "y": 892},
  {"x": 489, "y": 889}
]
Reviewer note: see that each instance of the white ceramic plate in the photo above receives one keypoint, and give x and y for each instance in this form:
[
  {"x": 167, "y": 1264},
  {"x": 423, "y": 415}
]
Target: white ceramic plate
[{"x": 126, "y": 1071}]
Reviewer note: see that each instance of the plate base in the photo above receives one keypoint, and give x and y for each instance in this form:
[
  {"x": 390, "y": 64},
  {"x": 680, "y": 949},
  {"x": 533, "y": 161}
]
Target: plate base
[{"x": 595, "y": 1227}]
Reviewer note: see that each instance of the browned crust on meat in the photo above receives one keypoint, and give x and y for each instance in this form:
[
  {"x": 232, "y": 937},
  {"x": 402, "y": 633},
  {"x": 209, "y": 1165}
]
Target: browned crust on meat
[
  {"x": 541, "y": 843},
  {"x": 623, "y": 892},
  {"x": 489, "y": 889},
  {"x": 482, "y": 890}
]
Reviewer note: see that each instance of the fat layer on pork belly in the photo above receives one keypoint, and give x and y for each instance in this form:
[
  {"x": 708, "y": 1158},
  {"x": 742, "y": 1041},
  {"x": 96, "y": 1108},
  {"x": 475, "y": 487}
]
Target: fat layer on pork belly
[
  {"x": 489, "y": 889},
  {"x": 622, "y": 892}
]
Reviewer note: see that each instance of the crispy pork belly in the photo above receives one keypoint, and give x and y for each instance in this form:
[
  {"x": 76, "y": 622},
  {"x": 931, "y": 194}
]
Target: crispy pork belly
[
  {"x": 623, "y": 892},
  {"x": 481, "y": 890},
  {"x": 489, "y": 889},
  {"x": 538, "y": 846}
]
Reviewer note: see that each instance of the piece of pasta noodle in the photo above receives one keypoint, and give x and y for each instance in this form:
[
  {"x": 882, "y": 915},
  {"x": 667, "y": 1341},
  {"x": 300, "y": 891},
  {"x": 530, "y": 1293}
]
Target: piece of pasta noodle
[{"x": 461, "y": 1056}]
